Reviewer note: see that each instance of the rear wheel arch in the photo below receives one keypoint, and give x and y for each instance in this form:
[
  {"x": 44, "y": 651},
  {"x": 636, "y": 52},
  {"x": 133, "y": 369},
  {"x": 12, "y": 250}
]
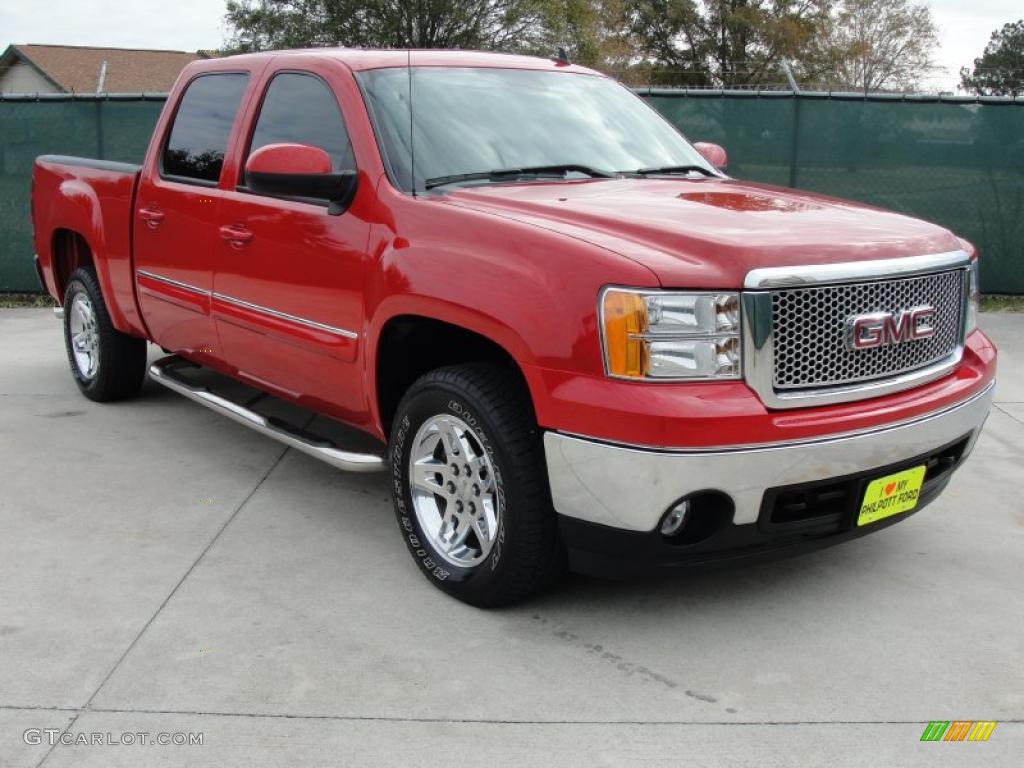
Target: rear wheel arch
[
  {"x": 409, "y": 346},
  {"x": 69, "y": 251}
]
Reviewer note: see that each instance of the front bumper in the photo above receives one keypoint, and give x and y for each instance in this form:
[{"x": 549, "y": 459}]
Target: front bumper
[{"x": 599, "y": 487}]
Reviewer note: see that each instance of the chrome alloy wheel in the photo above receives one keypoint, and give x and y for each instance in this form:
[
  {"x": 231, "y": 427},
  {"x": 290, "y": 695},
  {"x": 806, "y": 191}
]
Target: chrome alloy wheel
[
  {"x": 85, "y": 337},
  {"x": 454, "y": 491}
]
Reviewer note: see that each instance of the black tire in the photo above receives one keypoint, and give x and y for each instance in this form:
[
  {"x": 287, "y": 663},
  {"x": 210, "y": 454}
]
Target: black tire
[
  {"x": 121, "y": 366},
  {"x": 527, "y": 555}
]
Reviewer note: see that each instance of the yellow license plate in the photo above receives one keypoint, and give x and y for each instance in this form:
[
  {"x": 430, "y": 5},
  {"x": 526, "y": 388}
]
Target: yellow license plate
[{"x": 891, "y": 495}]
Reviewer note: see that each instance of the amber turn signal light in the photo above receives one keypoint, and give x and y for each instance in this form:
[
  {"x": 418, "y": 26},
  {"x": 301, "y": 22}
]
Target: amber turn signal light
[{"x": 625, "y": 321}]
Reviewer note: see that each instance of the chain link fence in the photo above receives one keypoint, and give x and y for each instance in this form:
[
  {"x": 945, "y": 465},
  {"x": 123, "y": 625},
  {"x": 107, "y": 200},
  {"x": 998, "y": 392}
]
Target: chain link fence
[{"x": 958, "y": 162}]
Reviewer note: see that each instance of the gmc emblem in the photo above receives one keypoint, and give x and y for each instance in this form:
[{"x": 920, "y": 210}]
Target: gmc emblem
[{"x": 880, "y": 329}]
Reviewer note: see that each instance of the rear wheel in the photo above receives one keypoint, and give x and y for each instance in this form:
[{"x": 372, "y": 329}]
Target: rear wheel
[
  {"x": 105, "y": 363},
  {"x": 470, "y": 485}
]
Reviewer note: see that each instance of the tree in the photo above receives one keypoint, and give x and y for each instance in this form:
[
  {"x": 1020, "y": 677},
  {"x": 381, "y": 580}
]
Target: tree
[
  {"x": 838, "y": 44},
  {"x": 999, "y": 71},
  {"x": 724, "y": 42},
  {"x": 875, "y": 45},
  {"x": 593, "y": 32},
  {"x": 493, "y": 24},
  {"x": 685, "y": 42}
]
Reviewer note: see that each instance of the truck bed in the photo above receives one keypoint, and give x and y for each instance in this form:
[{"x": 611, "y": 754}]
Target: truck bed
[{"x": 94, "y": 198}]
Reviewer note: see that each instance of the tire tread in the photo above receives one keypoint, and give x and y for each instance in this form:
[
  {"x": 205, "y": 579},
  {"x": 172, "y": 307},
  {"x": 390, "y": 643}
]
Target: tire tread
[
  {"x": 537, "y": 554},
  {"x": 122, "y": 357}
]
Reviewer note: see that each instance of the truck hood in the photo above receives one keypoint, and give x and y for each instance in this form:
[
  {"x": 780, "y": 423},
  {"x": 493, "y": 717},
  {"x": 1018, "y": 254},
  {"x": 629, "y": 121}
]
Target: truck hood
[{"x": 709, "y": 233}]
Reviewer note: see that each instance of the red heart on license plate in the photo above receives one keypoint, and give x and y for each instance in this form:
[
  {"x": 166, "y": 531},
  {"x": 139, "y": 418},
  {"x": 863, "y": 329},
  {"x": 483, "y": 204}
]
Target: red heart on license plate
[{"x": 890, "y": 488}]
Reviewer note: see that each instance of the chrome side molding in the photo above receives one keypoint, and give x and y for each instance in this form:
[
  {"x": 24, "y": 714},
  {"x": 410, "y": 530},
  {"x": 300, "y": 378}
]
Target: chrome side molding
[
  {"x": 267, "y": 311},
  {"x": 163, "y": 372},
  {"x": 176, "y": 283},
  {"x": 343, "y": 332}
]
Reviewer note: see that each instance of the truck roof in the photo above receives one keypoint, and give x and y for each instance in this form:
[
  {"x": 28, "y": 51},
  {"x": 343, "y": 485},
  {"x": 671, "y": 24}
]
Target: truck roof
[{"x": 379, "y": 58}]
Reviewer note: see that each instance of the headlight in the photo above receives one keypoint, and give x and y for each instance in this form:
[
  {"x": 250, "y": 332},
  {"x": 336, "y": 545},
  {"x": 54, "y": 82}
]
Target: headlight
[
  {"x": 663, "y": 336},
  {"x": 973, "y": 299}
]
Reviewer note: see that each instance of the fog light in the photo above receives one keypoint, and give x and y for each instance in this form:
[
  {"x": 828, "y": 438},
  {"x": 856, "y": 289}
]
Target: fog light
[{"x": 675, "y": 519}]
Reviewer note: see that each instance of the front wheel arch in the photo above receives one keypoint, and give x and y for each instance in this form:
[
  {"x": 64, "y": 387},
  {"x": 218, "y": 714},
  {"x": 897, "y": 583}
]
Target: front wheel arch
[{"x": 410, "y": 346}]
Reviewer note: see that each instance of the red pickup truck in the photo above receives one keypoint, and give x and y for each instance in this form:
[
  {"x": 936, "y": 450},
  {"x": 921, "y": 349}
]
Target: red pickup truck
[{"x": 567, "y": 335}]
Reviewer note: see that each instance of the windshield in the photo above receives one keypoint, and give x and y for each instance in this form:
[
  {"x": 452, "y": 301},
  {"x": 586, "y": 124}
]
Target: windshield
[{"x": 476, "y": 120}]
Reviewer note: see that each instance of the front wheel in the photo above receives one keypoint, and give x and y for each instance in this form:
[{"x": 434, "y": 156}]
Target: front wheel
[
  {"x": 106, "y": 364},
  {"x": 470, "y": 486}
]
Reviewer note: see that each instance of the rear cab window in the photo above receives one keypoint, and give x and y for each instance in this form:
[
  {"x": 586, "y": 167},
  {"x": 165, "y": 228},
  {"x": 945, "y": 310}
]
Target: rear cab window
[{"x": 198, "y": 139}]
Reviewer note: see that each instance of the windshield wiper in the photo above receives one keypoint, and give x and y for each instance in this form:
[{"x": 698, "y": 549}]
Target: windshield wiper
[
  {"x": 669, "y": 170},
  {"x": 504, "y": 174}
]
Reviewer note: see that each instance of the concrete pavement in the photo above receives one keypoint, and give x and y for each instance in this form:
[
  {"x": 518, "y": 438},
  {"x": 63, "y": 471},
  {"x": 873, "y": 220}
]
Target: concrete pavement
[{"x": 163, "y": 569}]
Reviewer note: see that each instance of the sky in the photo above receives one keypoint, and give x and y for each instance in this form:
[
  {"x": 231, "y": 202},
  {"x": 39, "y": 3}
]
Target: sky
[
  {"x": 189, "y": 25},
  {"x": 965, "y": 27}
]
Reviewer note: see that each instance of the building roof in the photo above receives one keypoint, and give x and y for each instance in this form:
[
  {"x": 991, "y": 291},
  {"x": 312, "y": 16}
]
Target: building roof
[{"x": 76, "y": 69}]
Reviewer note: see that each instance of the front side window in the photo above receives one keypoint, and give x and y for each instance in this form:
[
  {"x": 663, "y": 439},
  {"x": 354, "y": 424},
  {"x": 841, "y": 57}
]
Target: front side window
[
  {"x": 473, "y": 120},
  {"x": 300, "y": 109},
  {"x": 199, "y": 137}
]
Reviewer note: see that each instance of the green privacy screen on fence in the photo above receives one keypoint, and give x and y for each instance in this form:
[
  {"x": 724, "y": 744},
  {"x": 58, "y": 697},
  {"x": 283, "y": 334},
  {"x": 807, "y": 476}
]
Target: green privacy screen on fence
[
  {"x": 959, "y": 163},
  {"x": 112, "y": 129}
]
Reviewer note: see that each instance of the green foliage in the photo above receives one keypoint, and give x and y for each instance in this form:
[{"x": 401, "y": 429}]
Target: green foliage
[
  {"x": 492, "y": 24},
  {"x": 1002, "y": 303},
  {"x": 593, "y": 32},
  {"x": 999, "y": 71},
  {"x": 690, "y": 42},
  {"x": 724, "y": 42},
  {"x": 683, "y": 42},
  {"x": 25, "y": 300},
  {"x": 859, "y": 44}
]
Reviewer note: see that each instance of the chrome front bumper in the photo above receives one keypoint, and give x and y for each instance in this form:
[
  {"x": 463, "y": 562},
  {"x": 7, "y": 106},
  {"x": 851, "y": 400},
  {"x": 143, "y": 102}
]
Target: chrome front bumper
[{"x": 631, "y": 488}]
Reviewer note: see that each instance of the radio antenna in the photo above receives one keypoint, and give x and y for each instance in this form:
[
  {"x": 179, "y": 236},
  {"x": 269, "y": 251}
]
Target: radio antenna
[{"x": 412, "y": 140}]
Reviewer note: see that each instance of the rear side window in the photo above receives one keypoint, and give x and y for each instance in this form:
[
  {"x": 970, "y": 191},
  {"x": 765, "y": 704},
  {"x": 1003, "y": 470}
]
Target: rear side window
[
  {"x": 202, "y": 125},
  {"x": 301, "y": 109}
]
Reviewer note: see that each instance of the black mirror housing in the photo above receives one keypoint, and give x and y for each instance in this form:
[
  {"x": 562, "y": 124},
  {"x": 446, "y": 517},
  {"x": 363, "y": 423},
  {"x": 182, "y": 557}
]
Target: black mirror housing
[{"x": 338, "y": 189}]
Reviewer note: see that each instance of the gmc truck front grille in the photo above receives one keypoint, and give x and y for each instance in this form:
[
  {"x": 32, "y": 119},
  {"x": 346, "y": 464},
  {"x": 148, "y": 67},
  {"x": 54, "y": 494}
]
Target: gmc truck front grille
[
  {"x": 836, "y": 333},
  {"x": 811, "y": 333}
]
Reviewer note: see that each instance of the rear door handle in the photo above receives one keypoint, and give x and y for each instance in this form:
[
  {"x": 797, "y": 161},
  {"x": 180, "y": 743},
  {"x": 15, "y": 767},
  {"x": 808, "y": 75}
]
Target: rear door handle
[
  {"x": 151, "y": 216},
  {"x": 237, "y": 236}
]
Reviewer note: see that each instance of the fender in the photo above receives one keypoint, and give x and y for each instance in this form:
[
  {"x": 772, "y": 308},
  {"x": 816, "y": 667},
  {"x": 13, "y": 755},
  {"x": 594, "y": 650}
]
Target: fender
[
  {"x": 106, "y": 230},
  {"x": 431, "y": 308},
  {"x": 534, "y": 297}
]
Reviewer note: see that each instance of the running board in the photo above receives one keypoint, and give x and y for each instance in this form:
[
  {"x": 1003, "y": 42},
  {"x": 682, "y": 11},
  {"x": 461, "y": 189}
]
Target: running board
[{"x": 163, "y": 372}]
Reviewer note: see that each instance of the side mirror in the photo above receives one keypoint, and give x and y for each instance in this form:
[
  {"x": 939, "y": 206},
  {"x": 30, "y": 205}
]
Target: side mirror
[
  {"x": 714, "y": 154},
  {"x": 298, "y": 170}
]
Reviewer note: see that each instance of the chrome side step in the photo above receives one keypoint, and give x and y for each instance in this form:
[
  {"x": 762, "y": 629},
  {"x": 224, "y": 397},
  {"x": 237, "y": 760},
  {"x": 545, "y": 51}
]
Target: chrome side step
[{"x": 163, "y": 372}]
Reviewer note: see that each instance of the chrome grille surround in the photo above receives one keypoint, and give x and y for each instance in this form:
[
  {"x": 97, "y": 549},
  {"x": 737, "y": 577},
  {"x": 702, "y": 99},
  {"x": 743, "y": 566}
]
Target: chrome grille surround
[
  {"x": 795, "y": 350},
  {"x": 811, "y": 337}
]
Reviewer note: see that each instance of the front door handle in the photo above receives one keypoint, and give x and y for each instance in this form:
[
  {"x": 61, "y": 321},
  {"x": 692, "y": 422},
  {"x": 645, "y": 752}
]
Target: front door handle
[
  {"x": 151, "y": 216},
  {"x": 237, "y": 236}
]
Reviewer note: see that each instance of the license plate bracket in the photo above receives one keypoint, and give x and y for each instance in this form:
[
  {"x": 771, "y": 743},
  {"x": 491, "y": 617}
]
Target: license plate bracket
[{"x": 891, "y": 495}]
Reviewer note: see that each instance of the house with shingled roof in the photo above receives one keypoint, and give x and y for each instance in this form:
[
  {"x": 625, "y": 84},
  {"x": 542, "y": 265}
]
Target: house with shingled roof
[{"x": 80, "y": 69}]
